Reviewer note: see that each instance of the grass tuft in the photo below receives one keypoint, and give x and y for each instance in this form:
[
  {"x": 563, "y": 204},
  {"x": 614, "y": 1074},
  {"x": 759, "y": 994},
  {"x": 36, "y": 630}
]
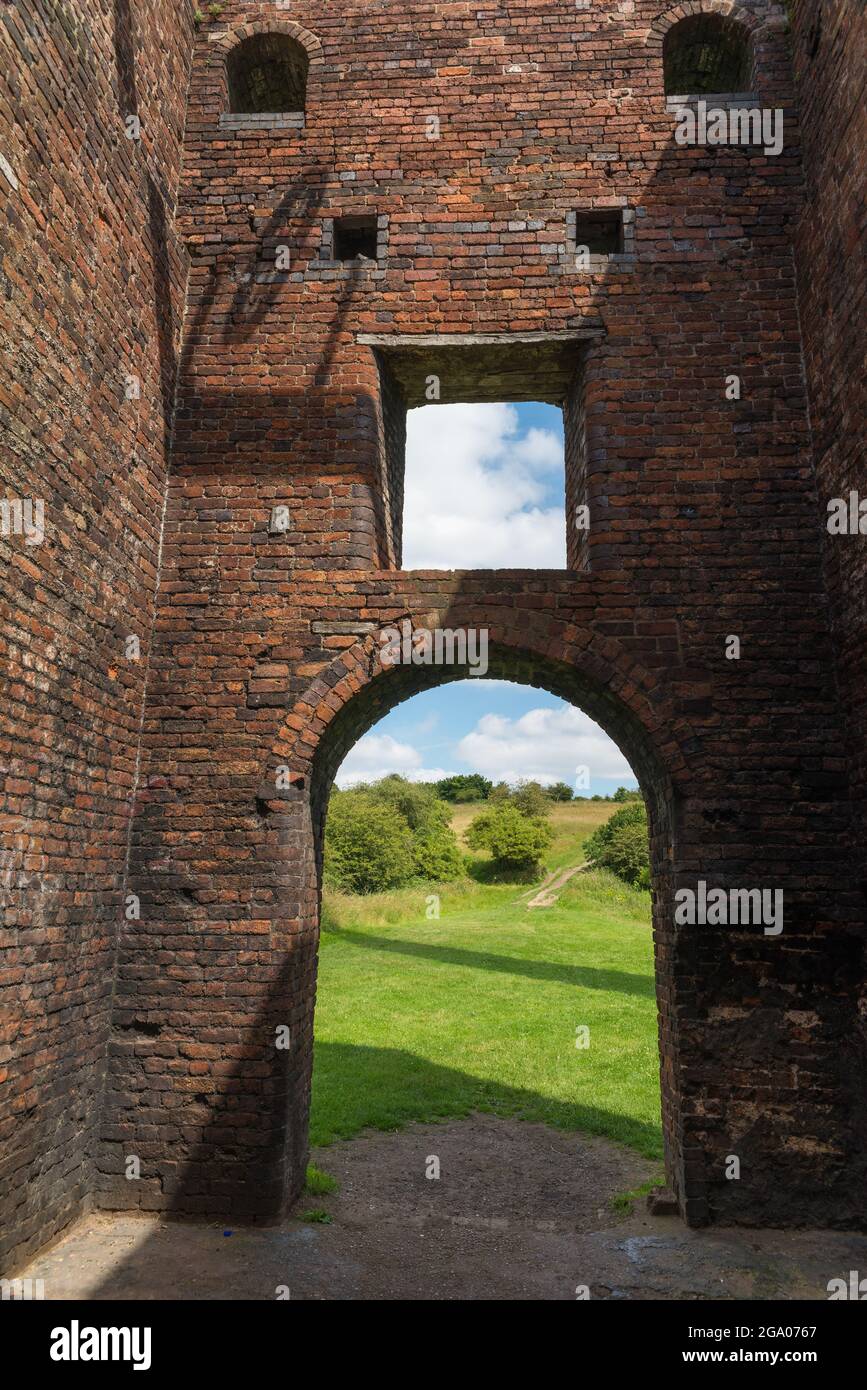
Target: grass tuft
[
  {"x": 319, "y": 1216},
  {"x": 319, "y": 1183},
  {"x": 623, "y": 1201}
]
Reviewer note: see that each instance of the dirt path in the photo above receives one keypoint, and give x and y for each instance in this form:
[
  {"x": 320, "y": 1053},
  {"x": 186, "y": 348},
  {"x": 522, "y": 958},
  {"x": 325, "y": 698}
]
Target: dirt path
[
  {"x": 549, "y": 892},
  {"x": 520, "y": 1211}
]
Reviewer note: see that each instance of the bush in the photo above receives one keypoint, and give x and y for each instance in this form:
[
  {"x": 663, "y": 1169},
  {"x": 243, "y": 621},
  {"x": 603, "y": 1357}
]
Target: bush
[
  {"x": 437, "y": 856},
  {"x": 368, "y": 844},
  {"x": 516, "y": 841},
  {"x": 626, "y": 854},
  {"x": 621, "y": 844},
  {"x": 530, "y": 799},
  {"x": 417, "y": 802}
]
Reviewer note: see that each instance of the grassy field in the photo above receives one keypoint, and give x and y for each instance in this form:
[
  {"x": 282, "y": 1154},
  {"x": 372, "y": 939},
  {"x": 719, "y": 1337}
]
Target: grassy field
[{"x": 420, "y": 1019}]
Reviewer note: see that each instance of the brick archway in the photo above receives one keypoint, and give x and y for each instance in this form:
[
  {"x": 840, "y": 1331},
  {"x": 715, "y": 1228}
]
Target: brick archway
[{"x": 354, "y": 691}]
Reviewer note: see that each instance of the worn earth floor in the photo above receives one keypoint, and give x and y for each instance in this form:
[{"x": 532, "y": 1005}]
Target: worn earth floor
[{"x": 520, "y": 1211}]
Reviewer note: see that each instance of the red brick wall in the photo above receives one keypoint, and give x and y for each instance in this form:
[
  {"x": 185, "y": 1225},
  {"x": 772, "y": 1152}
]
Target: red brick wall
[
  {"x": 706, "y": 521},
  {"x": 703, "y": 524},
  {"x": 830, "y": 59},
  {"x": 830, "y": 45},
  {"x": 92, "y": 289}
]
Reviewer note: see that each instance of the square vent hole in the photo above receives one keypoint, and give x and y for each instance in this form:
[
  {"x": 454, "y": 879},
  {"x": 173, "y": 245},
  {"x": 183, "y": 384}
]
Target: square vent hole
[
  {"x": 354, "y": 237},
  {"x": 600, "y": 230}
]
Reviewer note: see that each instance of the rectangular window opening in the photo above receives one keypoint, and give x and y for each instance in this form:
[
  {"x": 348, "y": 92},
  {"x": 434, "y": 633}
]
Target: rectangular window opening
[
  {"x": 482, "y": 448},
  {"x": 355, "y": 237},
  {"x": 600, "y": 230}
]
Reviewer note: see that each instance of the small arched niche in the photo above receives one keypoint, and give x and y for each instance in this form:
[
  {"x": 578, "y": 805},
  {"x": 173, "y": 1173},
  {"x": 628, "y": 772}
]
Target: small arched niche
[
  {"x": 267, "y": 73},
  {"x": 707, "y": 53}
]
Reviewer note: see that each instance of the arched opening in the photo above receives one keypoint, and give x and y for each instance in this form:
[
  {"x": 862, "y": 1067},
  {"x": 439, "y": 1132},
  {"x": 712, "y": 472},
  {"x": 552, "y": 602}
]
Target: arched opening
[
  {"x": 356, "y": 707},
  {"x": 267, "y": 73},
  {"x": 471, "y": 961},
  {"x": 706, "y": 53}
]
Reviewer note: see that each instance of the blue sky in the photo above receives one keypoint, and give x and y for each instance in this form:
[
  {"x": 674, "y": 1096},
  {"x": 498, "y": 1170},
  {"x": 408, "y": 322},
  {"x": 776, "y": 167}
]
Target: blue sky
[
  {"x": 485, "y": 490},
  {"x": 507, "y": 732}
]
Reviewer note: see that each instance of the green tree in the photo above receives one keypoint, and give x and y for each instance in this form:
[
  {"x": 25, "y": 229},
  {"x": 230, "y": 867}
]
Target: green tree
[
  {"x": 627, "y": 853},
  {"x": 561, "y": 791},
  {"x": 437, "y": 856},
  {"x": 463, "y": 787},
  {"x": 417, "y": 802},
  {"x": 627, "y": 794},
  {"x": 388, "y": 833},
  {"x": 515, "y": 841},
  {"x": 368, "y": 844}
]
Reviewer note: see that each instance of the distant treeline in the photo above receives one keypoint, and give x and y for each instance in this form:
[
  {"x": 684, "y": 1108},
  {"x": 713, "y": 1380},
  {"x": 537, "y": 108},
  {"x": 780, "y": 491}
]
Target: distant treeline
[{"x": 472, "y": 786}]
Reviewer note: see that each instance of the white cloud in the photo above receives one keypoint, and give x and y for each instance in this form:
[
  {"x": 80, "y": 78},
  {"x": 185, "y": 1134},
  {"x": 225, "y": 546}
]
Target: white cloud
[
  {"x": 477, "y": 492},
  {"x": 376, "y": 755},
  {"x": 543, "y": 745}
]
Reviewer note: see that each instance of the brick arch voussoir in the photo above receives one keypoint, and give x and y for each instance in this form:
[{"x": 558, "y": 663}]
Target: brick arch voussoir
[
  {"x": 305, "y": 37},
  {"x": 596, "y": 674},
  {"x": 726, "y": 9}
]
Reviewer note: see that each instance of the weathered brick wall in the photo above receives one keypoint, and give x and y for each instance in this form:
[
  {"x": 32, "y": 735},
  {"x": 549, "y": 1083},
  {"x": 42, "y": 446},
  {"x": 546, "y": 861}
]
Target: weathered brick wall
[
  {"x": 703, "y": 525},
  {"x": 706, "y": 521},
  {"x": 830, "y": 47},
  {"x": 92, "y": 290},
  {"x": 830, "y": 59}
]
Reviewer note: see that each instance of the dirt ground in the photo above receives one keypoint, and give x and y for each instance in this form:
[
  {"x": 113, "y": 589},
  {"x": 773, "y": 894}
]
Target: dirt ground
[{"x": 519, "y": 1211}]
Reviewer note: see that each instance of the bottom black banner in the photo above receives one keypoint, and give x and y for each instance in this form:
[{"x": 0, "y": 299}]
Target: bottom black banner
[{"x": 227, "y": 1339}]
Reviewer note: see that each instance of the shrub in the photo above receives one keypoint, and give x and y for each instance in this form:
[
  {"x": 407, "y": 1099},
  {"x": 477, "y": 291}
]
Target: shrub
[
  {"x": 515, "y": 841},
  {"x": 368, "y": 844},
  {"x": 530, "y": 799},
  {"x": 437, "y": 856},
  {"x": 383, "y": 835},
  {"x": 621, "y": 844},
  {"x": 626, "y": 854}
]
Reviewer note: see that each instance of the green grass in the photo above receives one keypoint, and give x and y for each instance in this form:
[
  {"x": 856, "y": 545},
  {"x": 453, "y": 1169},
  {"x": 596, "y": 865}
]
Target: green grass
[
  {"x": 319, "y": 1216},
  {"x": 317, "y": 1183},
  {"x": 622, "y": 1202},
  {"x": 423, "y": 1020}
]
